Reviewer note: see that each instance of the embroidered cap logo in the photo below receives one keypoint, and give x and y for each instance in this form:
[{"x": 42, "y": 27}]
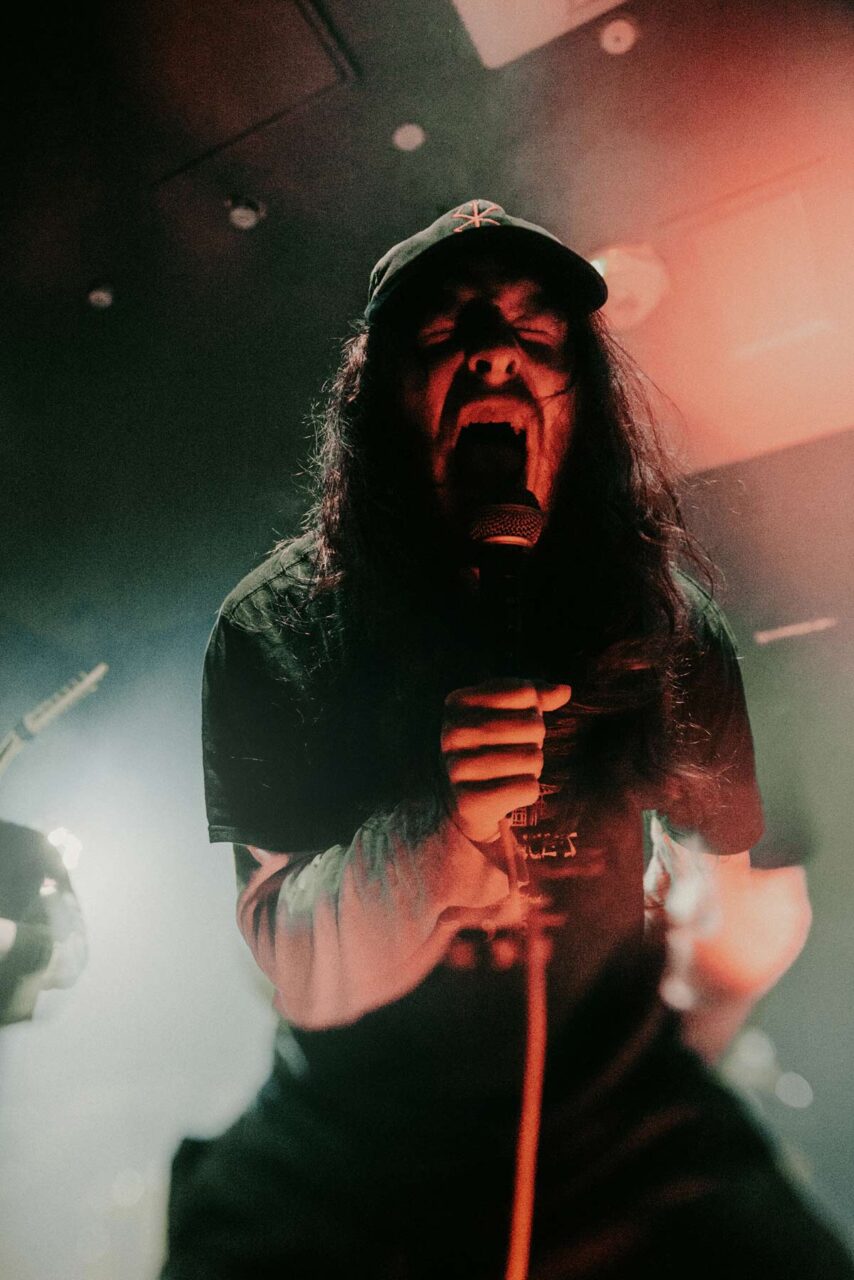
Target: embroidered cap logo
[{"x": 477, "y": 217}]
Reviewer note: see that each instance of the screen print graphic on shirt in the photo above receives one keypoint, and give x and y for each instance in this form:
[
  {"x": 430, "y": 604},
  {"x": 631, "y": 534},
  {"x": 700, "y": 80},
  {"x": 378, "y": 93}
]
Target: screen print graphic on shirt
[{"x": 561, "y": 848}]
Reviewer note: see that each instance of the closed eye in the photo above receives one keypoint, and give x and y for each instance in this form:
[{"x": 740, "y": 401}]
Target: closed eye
[
  {"x": 539, "y": 338},
  {"x": 434, "y": 336}
]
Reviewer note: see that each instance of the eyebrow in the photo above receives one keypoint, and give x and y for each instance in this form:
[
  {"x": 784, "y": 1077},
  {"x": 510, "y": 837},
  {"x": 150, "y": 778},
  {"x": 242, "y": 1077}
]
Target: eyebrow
[
  {"x": 540, "y": 309},
  {"x": 533, "y": 304}
]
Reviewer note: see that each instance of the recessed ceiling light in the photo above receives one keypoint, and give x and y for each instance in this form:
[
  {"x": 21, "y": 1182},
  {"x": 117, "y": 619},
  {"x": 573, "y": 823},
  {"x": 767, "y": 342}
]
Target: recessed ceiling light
[
  {"x": 243, "y": 213},
  {"x": 619, "y": 36},
  {"x": 408, "y": 137},
  {"x": 100, "y": 296}
]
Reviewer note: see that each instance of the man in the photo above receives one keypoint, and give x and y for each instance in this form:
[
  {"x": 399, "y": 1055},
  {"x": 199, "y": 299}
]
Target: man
[{"x": 424, "y": 757}]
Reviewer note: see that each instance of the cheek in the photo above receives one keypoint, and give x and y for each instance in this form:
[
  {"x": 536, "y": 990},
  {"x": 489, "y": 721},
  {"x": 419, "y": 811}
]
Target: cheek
[
  {"x": 425, "y": 390},
  {"x": 559, "y": 420}
]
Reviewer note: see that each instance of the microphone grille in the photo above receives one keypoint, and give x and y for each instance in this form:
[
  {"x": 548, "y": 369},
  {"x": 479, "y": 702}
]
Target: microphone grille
[{"x": 515, "y": 523}]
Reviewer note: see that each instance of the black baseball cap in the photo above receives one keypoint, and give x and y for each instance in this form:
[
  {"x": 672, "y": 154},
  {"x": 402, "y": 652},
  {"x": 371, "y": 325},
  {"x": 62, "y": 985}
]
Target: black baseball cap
[{"x": 450, "y": 235}]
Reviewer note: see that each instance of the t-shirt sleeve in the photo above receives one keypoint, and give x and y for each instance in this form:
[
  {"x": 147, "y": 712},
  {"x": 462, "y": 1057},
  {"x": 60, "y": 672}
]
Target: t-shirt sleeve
[
  {"x": 257, "y": 784},
  {"x": 718, "y": 804}
]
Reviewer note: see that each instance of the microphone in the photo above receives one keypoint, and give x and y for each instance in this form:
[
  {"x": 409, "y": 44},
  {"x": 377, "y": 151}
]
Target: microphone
[
  {"x": 503, "y": 522},
  {"x": 503, "y": 534}
]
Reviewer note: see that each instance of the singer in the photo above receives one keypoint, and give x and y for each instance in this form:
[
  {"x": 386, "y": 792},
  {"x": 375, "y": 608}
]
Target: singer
[{"x": 414, "y": 740}]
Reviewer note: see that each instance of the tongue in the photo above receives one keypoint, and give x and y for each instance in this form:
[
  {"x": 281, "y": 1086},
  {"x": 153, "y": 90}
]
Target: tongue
[{"x": 489, "y": 461}]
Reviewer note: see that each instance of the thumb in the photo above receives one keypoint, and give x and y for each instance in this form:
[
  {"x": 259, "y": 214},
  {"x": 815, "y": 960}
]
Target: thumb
[{"x": 552, "y": 696}]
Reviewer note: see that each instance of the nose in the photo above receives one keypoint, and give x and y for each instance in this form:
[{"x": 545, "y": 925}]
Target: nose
[
  {"x": 492, "y": 353},
  {"x": 494, "y": 364}
]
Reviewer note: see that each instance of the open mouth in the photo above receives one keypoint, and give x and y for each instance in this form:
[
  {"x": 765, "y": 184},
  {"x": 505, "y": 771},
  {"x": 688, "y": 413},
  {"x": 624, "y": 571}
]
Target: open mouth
[{"x": 489, "y": 460}]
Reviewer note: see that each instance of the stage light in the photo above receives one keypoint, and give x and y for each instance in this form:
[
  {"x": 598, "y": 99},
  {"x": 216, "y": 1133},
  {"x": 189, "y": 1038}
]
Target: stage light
[
  {"x": 637, "y": 281},
  {"x": 677, "y": 993},
  {"x": 751, "y": 1061},
  {"x": 244, "y": 214},
  {"x": 409, "y": 137},
  {"x": 793, "y": 630},
  {"x": 756, "y": 1050},
  {"x": 793, "y": 1090},
  {"x": 69, "y": 846}
]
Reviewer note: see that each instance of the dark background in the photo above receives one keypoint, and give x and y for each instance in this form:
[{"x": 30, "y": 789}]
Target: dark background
[{"x": 152, "y": 452}]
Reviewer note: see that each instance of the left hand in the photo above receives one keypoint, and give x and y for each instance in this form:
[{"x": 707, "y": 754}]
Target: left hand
[
  {"x": 731, "y": 933},
  {"x": 761, "y": 922}
]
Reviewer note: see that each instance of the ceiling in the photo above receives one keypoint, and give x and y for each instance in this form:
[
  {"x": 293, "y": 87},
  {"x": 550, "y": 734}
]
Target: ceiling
[{"x": 154, "y": 445}]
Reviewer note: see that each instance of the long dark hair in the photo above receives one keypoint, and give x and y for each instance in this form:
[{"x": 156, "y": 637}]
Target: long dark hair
[{"x": 606, "y": 611}]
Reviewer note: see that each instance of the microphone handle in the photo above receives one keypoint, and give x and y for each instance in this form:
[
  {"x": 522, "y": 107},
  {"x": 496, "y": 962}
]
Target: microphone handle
[{"x": 503, "y": 570}]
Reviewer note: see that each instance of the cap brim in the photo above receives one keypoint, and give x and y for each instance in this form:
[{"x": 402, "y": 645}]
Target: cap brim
[{"x": 579, "y": 283}]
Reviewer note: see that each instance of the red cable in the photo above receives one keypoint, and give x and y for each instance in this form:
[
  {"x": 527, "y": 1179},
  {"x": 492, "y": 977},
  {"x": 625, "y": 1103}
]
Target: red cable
[{"x": 527, "y": 1144}]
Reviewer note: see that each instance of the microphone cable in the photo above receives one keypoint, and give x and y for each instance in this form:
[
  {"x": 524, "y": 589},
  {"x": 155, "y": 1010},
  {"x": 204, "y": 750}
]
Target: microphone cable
[{"x": 536, "y": 957}]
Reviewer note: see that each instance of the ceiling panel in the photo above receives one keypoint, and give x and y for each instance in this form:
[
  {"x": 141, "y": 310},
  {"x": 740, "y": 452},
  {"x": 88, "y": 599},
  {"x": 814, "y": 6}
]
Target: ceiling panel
[{"x": 206, "y": 73}]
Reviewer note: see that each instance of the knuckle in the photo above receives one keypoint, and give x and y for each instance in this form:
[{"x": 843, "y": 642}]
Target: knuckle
[
  {"x": 455, "y": 770},
  {"x": 531, "y": 791}
]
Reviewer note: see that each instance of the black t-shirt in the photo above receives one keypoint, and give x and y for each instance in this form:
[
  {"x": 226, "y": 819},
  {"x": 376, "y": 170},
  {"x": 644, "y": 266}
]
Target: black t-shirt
[{"x": 276, "y": 778}]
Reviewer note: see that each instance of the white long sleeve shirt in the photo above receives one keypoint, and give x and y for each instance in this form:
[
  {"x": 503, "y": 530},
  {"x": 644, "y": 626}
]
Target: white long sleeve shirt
[{"x": 357, "y": 926}]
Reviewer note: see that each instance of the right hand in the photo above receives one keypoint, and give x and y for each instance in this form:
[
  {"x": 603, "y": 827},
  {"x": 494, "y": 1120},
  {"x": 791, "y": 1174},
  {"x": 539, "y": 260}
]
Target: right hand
[{"x": 492, "y": 748}]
